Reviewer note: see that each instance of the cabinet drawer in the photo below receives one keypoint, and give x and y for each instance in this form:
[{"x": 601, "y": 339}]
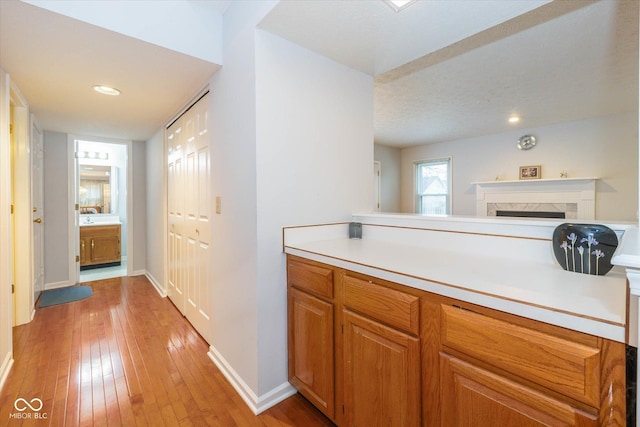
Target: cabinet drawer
[
  {"x": 100, "y": 230},
  {"x": 564, "y": 366},
  {"x": 387, "y": 305},
  {"x": 312, "y": 278}
]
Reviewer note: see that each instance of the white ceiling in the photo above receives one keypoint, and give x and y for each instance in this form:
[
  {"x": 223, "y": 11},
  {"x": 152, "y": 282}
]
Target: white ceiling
[
  {"x": 444, "y": 69},
  {"x": 55, "y": 60},
  {"x": 561, "y": 61}
]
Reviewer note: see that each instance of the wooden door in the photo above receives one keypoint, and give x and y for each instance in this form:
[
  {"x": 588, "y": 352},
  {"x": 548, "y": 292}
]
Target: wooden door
[
  {"x": 382, "y": 374},
  {"x": 37, "y": 203},
  {"x": 311, "y": 349},
  {"x": 473, "y": 397},
  {"x": 189, "y": 216}
]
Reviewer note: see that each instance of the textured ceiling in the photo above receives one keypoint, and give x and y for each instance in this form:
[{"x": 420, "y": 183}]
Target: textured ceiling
[{"x": 579, "y": 65}]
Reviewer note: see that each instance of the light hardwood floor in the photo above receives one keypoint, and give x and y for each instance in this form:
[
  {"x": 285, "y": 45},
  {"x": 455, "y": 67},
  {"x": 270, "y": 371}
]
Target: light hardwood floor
[{"x": 126, "y": 357}]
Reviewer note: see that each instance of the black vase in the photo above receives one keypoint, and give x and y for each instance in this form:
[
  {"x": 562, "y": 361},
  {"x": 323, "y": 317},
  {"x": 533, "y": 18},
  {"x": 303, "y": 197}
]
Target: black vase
[{"x": 584, "y": 248}]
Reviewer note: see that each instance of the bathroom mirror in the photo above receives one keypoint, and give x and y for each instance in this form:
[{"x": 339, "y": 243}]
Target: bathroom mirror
[{"x": 98, "y": 190}]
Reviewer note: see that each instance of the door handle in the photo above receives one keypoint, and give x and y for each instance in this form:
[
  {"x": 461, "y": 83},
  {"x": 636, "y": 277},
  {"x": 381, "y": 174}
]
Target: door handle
[{"x": 38, "y": 220}]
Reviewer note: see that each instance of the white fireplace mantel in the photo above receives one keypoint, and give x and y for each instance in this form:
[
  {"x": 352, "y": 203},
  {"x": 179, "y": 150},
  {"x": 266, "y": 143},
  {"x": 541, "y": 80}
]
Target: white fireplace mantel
[{"x": 578, "y": 191}]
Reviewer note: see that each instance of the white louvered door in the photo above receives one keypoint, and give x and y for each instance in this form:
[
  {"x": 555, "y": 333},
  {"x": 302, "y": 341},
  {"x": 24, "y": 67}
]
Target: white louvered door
[{"x": 189, "y": 202}]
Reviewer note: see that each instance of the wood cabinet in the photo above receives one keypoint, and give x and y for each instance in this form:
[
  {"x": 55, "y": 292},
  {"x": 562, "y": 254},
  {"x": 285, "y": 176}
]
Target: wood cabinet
[
  {"x": 381, "y": 355},
  {"x": 382, "y": 374},
  {"x": 473, "y": 396},
  {"x": 99, "y": 244},
  {"x": 368, "y": 352},
  {"x": 311, "y": 334}
]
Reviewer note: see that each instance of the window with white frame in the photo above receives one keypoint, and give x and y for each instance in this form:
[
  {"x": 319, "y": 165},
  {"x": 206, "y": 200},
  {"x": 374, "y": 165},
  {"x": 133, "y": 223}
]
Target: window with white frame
[{"x": 433, "y": 186}]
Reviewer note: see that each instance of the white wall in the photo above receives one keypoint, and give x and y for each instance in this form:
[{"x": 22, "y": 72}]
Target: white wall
[
  {"x": 234, "y": 316},
  {"x": 314, "y": 160},
  {"x": 389, "y": 158},
  {"x": 155, "y": 210},
  {"x": 604, "y": 147},
  {"x": 6, "y": 309}
]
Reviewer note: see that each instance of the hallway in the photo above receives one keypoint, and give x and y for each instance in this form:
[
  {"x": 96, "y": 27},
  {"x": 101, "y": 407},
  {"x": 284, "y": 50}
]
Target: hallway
[{"x": 126, "y": 357}]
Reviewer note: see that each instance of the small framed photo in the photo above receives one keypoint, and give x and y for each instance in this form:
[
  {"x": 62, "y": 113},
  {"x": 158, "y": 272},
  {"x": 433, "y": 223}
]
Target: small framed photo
[{"x": 530, "y": 172}]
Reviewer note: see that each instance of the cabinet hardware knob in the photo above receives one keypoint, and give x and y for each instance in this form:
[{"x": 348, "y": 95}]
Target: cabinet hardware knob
[{"x": 38, "y": 220}]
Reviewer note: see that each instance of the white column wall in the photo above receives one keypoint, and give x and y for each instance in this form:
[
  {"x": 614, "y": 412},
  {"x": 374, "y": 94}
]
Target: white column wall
[
  {"x": 234, "y": 343},
  {"x": 314, "y": 162}
]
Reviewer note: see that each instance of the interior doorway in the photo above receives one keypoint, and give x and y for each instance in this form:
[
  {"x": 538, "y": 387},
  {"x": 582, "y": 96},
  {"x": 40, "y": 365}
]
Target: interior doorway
[
  {"x": 22, "y": 226},
  {"x": 102, "y": 190}
]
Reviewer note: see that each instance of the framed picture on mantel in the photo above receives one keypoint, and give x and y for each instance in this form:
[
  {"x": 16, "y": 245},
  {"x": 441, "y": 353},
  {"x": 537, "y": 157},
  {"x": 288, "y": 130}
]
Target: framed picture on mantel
[{"x": 530, "y": 172}]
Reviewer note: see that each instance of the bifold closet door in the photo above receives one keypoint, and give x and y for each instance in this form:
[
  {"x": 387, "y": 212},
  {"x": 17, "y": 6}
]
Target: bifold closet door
[{"x": 189, "y": 202}]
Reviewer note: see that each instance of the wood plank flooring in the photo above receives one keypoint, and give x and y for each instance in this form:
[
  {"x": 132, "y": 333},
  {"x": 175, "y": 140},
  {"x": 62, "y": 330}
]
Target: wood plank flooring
[{"x": 126, "y": 357}]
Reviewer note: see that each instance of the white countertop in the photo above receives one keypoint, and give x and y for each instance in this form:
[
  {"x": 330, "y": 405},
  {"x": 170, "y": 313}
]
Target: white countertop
[
  {"x": 538, "y": 290},
  {"x": 93, "y": 224}
]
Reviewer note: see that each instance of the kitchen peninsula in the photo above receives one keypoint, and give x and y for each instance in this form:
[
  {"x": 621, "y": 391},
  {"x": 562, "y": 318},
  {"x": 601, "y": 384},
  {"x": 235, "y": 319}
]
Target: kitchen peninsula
[{"x": 422, "y": 313}]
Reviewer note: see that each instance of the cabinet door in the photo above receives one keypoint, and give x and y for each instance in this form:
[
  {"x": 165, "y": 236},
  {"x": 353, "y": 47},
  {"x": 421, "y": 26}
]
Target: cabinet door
[
  {"x": 382, "y": 374},
  {"x": 311, "y": 349},
  {"x": 472, "y": 397},
  {"x": 105, "y": 249}
]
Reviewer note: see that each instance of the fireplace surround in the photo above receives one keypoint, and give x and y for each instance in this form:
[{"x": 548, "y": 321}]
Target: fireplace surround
[{"x": 572, "y": 197}]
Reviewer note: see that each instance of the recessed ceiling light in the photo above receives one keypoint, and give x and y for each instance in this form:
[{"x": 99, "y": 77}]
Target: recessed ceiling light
[
  {"x": 106, "y": 90},
  {"x": 399, "y": 5},
  {"x": 514, "y": 119}
]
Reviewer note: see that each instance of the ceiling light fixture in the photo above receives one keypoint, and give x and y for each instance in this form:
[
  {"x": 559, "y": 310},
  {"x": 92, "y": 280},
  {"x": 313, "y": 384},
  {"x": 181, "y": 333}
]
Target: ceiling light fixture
[
  {"x": 398, "y": 5},
  {"x": 106, "y": 90},
  {"x": 514, "y": 119}
]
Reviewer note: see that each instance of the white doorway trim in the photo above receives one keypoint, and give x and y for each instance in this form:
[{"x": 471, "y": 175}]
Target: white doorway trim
[{"x": 74, "y": 216}]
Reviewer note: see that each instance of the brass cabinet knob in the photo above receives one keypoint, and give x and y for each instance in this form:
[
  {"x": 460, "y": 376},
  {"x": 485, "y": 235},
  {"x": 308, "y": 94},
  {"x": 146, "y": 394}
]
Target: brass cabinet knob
[{"x": 38, "y": 220}]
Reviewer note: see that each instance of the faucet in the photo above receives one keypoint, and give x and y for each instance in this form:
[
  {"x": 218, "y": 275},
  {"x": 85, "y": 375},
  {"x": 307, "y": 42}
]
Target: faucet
[{"x": 87, "y": 220}]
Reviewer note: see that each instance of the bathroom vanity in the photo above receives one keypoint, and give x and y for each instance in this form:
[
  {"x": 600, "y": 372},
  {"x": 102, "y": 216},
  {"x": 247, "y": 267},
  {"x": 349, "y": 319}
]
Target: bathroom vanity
[
  {"x": 452, "y": 322},
  {"x": 99, "y": 245}
]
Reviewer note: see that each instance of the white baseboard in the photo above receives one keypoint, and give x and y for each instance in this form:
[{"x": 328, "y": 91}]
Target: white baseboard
[
  {"x": 138, "y": 273},
  {"x": 56, "y": 285},
  {"x": 255, "y": 403},
  {"x": 5, "y": 368},
  {"x": 156, "y": 284}
]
